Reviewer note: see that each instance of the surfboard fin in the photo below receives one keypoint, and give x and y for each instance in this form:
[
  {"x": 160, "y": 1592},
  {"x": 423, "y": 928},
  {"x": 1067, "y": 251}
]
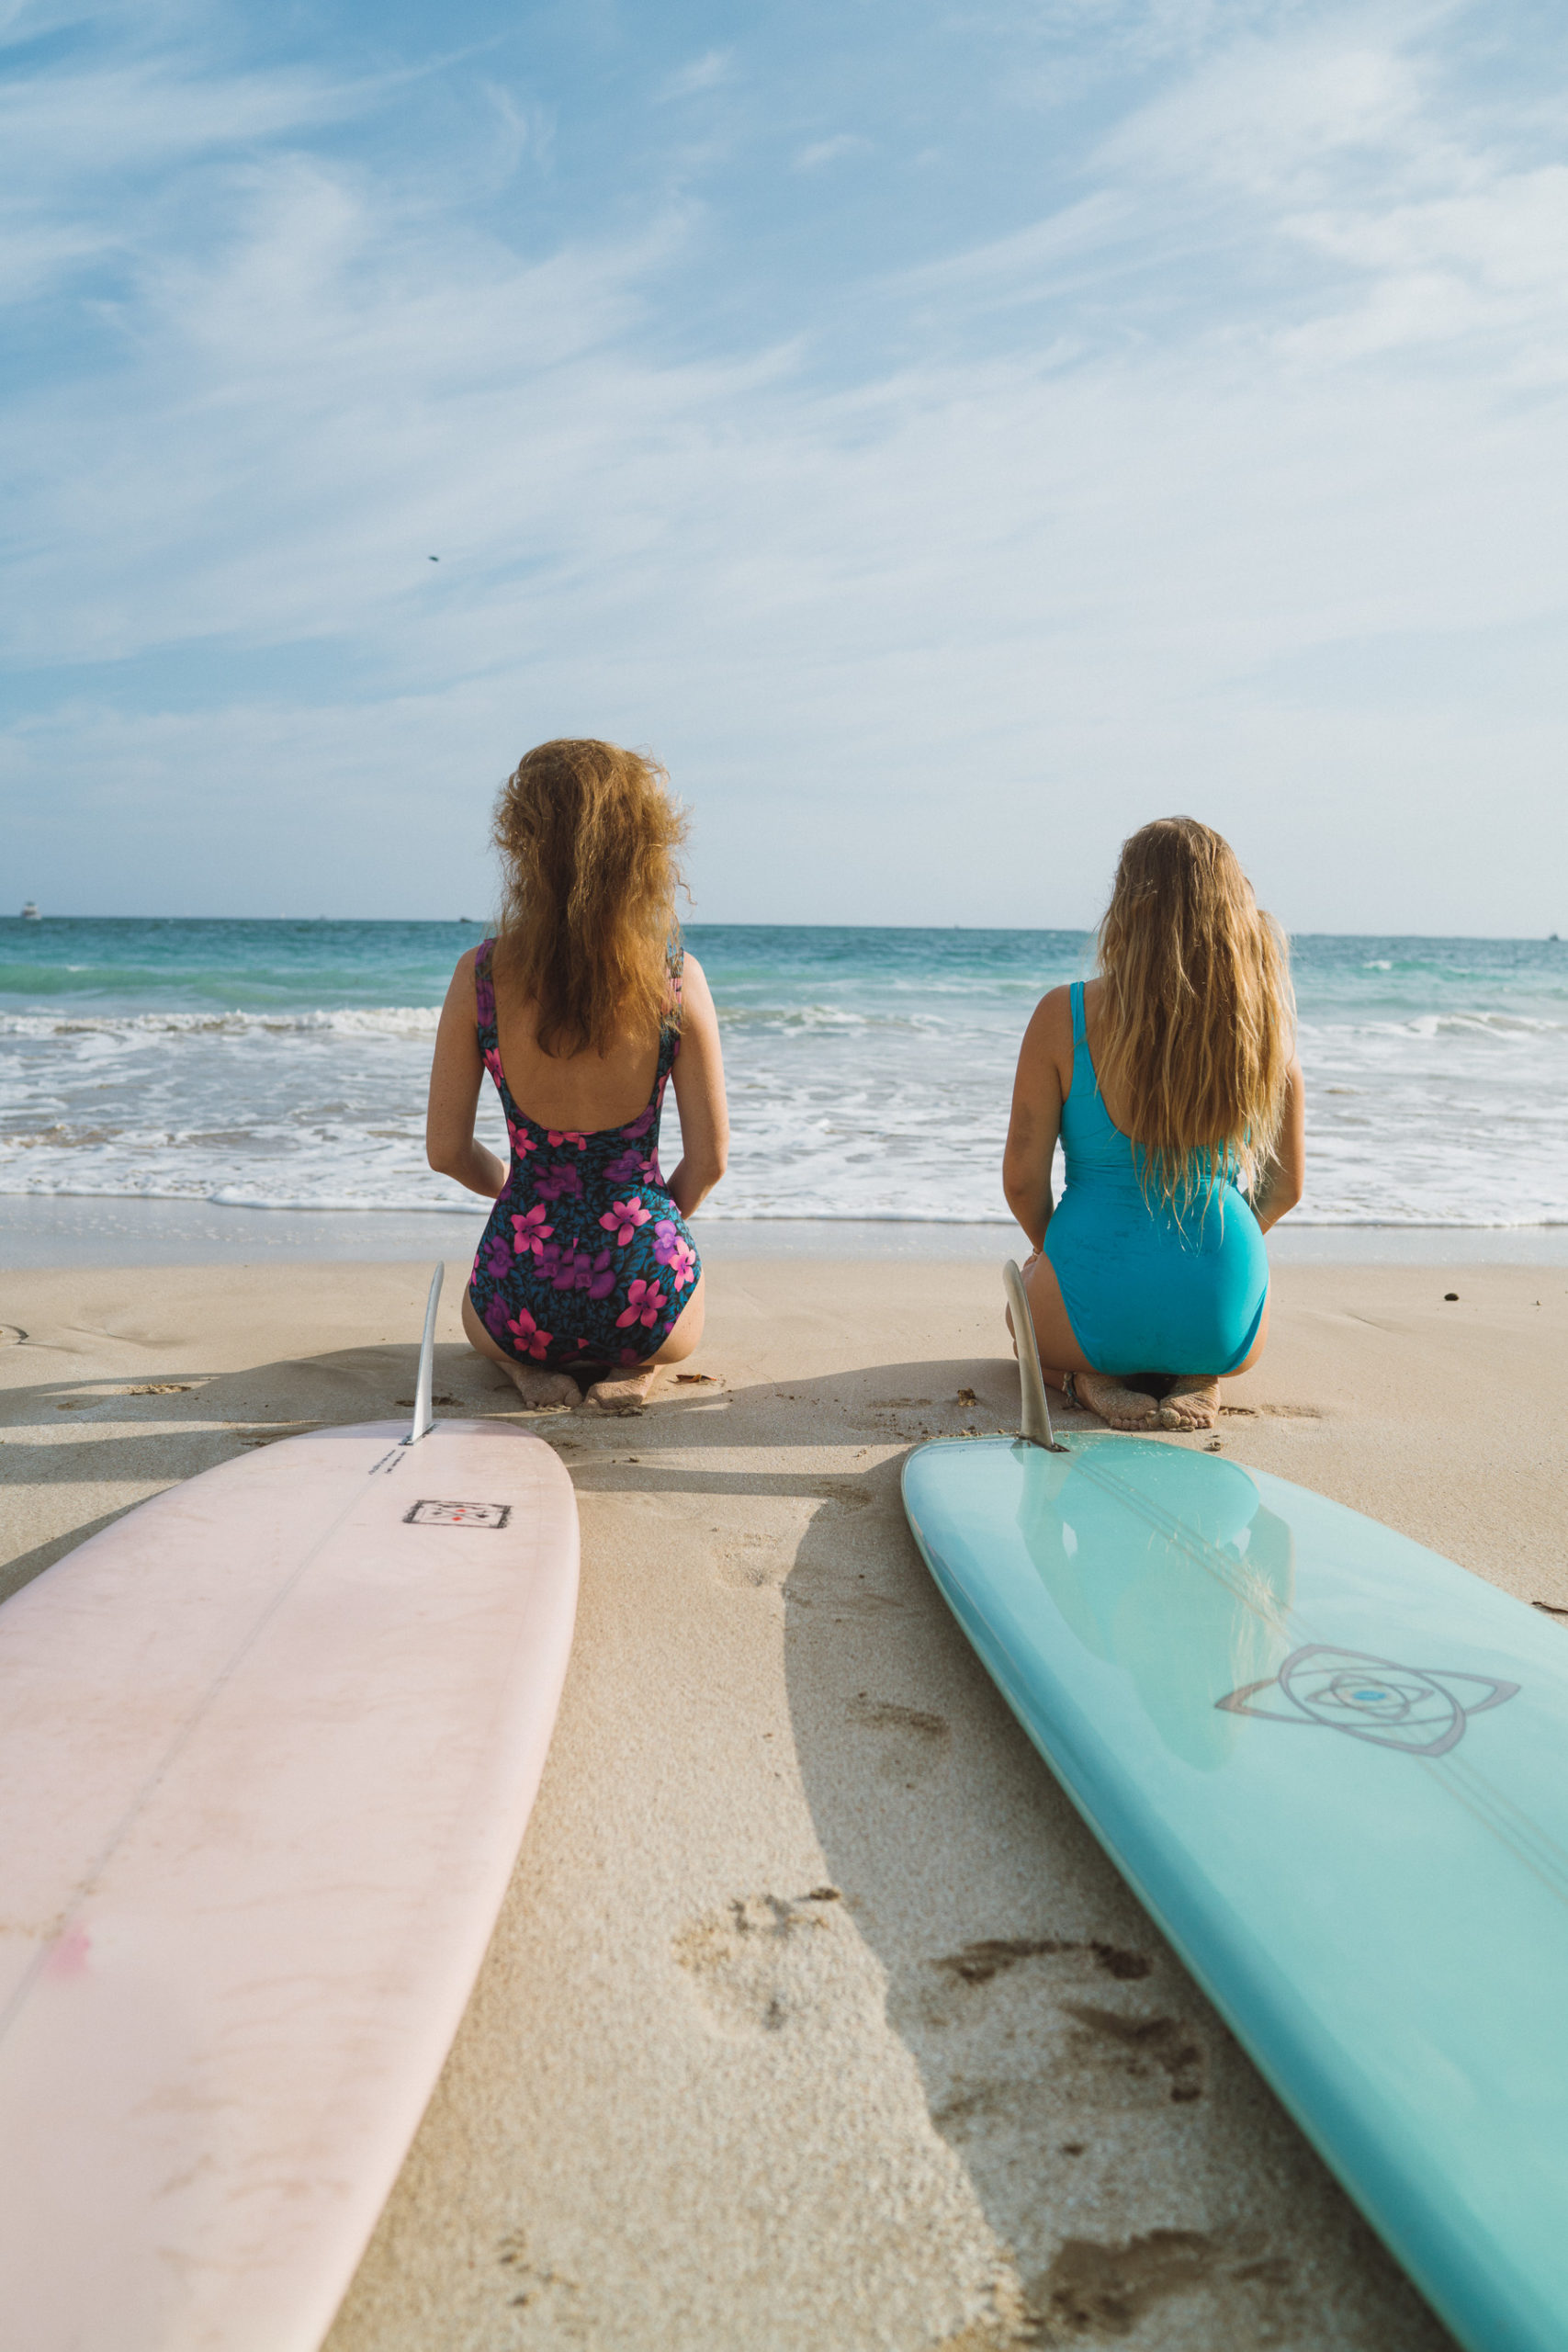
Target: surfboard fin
[
  {"x": 1036, "y": 1415},
  {"x": 424, "y": 1411}
]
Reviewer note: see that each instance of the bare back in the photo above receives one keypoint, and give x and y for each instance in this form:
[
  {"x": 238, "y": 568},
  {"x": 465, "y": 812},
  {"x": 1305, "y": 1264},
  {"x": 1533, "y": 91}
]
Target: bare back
[{"x": 586, "y": 1091}]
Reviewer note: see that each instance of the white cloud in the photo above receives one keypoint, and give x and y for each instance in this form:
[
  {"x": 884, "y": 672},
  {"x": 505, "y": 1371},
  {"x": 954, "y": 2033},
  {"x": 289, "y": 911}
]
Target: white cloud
[
  {"x": 34, "y": 257},
  {"x": 831, "y": 151},
  {"x": 63, "y": 129},
  {"x": 1486, "y": 266},
  {"x": 1034, "y": 262},
  {"x": 527, "y": 130},
  {"x": 709, "y": 72},
  {"x": 1269, "y": 118}
]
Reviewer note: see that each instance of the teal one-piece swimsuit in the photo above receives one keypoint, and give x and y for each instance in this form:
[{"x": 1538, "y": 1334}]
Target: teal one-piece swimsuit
[{"x": 1144, "y": 1290}]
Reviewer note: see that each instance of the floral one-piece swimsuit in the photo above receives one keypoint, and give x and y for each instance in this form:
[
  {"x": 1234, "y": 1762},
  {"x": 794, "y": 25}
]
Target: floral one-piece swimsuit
[{"x": 586, "y": 1260}]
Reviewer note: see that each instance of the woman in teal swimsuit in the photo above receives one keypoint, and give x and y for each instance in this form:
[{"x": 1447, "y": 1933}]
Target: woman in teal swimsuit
[{"x": 1173, "y": 1083}]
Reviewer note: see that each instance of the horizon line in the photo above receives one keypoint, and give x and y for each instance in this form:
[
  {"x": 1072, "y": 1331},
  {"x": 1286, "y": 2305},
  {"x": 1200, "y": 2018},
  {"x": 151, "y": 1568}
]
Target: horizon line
[{"x": 1006, "y": 931}]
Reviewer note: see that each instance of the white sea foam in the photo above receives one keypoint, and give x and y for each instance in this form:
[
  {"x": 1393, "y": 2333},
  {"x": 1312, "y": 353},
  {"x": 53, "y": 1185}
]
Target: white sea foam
[{"x": 343, "y": 1021}]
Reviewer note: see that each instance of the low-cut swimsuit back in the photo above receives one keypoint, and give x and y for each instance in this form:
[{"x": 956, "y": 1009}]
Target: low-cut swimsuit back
[
  {"x": 1146, "y": 1290},
  {"x": 586, "y": 1261}
]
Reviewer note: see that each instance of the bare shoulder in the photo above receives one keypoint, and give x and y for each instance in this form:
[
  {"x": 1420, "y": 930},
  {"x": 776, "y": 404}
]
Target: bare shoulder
[
  {"x": 1051, "y": 1023},
  {"x": 695, "y": 993},
  {"x": 1045, "y": 1057},
  {"x": 462, "y": 988}
]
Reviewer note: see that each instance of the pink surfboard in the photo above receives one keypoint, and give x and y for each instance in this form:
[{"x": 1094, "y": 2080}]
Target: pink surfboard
[{"x": 268, "y": 1748}]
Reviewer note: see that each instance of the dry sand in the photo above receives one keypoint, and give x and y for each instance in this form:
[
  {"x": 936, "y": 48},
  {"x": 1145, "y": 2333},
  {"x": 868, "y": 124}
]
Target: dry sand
[{"x": 814, "y": 2018}]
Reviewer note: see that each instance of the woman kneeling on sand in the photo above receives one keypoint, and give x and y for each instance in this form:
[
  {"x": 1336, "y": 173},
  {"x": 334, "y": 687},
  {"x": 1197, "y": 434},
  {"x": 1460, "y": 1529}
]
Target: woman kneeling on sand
[
  {"x": 1173, "y": 1082},
  {"x": 580, "y": 1007}
]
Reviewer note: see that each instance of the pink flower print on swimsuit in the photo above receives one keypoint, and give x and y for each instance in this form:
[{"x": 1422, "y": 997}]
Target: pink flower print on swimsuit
[
  {"x": 531, "y": 1340},
  {"x": 673, "y": 1252},
  {"x": 622, "y": 1217},
  {"x": 531, "y": 1230},
  {"x": 645, "y": 1304},
  {"x": 586, "y": 1260}
]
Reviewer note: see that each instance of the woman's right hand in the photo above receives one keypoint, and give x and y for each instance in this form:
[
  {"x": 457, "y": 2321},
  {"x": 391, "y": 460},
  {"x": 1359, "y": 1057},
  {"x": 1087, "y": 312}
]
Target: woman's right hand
[{"x": 1285, "y": 1175}]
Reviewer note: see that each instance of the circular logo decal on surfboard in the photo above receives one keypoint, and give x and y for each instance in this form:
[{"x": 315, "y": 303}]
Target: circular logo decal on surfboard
[{"x": 1423, "y": 1710}]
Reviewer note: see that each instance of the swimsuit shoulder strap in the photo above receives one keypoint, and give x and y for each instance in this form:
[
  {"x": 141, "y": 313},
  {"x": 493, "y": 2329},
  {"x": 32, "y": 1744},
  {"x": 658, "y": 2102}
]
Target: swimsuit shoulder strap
[
  {"x": 1081, "y": 1028},
  {"x": 484, "y": 987}
]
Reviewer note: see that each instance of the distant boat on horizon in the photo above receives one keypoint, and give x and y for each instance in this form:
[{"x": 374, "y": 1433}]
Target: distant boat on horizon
[{"x": 31, "y": 914}]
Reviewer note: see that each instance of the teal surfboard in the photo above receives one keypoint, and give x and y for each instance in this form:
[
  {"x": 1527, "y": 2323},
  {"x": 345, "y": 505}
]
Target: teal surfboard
[{"x": 1333, "y": 1767}]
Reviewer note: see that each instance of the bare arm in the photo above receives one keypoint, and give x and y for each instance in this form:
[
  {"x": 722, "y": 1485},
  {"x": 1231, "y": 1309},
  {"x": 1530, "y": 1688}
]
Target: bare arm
[
  {"x": 1036, "y": 1116},
  {"x": 699, "y": 1094},
  {"x": 1283, "y": 1178},
  {"x": 455, "y": 1075}
]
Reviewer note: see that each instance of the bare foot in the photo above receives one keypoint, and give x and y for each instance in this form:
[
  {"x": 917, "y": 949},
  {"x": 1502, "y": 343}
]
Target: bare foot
[
  {"x": 538, "y": 1387},
  {"x": 624, "y": 1392},
  {"x": 1192, "y": 1402},
  {"x": 1119, "y": 1407}
]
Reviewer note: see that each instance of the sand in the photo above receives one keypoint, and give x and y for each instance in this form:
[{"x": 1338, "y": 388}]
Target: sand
[{"x": 761, "y": 2056}]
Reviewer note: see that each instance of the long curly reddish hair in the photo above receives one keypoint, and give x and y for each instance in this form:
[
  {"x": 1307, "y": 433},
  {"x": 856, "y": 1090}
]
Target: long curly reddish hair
[{"x": 588, "y": 834}]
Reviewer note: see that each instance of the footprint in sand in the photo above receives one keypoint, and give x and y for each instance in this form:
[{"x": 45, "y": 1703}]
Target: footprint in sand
[
  {"x": 979, "y": 1963},
  {"x": 1096, "y": 2291},
  {"x": 539, "y": 2288},
  {"x": 755, "y": 1562},
  {"x": 768, "y": 1964},
  {"x": 1056, "y": 1997},
  {"x": 915, "y": 1743}
]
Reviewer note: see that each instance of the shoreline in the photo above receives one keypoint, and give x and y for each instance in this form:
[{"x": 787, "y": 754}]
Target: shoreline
[
  {"x": 737, "y": 2068},
  {"x": 65, "y": 1230}
]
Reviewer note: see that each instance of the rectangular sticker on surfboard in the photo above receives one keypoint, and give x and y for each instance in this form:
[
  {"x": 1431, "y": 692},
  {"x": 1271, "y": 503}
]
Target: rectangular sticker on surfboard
[{"x": 432, "y": 1514}]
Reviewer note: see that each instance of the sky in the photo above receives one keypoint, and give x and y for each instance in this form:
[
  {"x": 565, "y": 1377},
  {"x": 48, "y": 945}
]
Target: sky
[{"x": 946, "y": 436}]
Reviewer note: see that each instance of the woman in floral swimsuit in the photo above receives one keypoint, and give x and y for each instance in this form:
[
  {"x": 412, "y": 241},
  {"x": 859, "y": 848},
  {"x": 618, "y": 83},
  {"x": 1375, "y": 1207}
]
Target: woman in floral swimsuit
[{"x": 581, "y": 1010}]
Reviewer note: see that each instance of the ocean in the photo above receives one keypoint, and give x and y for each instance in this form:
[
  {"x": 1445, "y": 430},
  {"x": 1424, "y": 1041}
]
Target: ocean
[{"x": 256, "y": 1066}]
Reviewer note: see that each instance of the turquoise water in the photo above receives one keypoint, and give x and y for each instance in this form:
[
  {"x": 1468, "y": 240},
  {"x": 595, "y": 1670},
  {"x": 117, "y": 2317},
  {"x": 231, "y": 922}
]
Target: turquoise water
[{"x": 284, "y": 1064}]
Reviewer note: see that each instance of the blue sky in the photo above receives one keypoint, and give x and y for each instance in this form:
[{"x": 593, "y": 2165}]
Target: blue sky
[{"x": 948, "y": 436}]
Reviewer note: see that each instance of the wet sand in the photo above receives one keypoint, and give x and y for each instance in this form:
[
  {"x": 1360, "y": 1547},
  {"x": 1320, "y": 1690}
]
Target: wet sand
[{"x": 814, "y": 2016}]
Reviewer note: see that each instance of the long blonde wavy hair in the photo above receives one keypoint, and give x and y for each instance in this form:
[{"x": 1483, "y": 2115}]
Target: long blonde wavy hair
[
  {"x": 588, "y": 835},
  {"x": 1197, "y": 1015}
]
